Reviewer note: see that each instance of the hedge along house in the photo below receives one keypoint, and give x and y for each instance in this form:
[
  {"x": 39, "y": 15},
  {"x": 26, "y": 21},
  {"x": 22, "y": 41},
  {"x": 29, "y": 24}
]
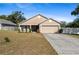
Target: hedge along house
[
  {"x": 7, "y": 25},
  {"x": 40, "y": 24}
]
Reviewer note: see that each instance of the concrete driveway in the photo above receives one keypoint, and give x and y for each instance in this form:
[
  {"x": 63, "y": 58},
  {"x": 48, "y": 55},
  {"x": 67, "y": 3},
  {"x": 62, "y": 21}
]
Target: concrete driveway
[{"x": 63, "y": 44}]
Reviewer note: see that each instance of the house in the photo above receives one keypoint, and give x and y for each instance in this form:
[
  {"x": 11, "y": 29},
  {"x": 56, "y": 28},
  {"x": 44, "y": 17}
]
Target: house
[
  {"x": 7, "y": 25},
  {"x": 39, "y": 23}
]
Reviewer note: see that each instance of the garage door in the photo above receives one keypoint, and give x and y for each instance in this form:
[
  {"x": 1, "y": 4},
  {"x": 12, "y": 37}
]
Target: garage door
[{"x": 49, "y": 29}]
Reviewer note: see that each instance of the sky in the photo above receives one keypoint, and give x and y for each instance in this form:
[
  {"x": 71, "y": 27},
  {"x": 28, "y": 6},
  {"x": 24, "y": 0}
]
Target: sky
[{"x": 56, "y": 11}]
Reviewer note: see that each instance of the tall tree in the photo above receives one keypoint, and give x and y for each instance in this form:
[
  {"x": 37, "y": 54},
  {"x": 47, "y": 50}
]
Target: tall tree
[
  {"x": 16, "y": 17},
  {"x": 3, "y": 17},
  {"x": 75, "y": 23},
  {"x": 70, "y": 24},
  {"x": 63, "y": 24},
  {"x": 76, "y": 11}
]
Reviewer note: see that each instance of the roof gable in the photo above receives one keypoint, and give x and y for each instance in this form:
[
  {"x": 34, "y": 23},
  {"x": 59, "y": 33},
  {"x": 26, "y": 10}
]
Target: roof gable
[
  {"x": 54, "y": 20},
  {"x": 35, "y": 20},
  {"x": 50, "y": 22},
  {"x": 37, "y": 16}
]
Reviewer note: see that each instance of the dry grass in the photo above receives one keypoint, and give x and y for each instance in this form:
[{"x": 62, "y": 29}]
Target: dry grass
[
  {"x": 75, "y": 36},
  {"x": 24, "y": 44}
]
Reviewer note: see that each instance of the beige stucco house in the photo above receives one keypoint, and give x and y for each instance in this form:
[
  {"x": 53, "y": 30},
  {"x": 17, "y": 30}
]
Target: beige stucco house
[{"x": 40, "y": 24}]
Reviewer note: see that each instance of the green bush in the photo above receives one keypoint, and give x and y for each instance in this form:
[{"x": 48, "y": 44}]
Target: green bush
[
  {"x": 61, "y": 30},
  {"x": 30, "y": 30},
  {"x": 7, "y": 39}
]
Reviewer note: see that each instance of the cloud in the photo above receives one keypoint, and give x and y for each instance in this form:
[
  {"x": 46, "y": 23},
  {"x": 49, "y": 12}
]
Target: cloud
[
  {"x": 23, "y": 5},
  {"x": 29, "y": 6}
]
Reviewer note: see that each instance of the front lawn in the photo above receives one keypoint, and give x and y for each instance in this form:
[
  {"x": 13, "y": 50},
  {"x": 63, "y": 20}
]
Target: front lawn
[{"x": 24, "y": 44}]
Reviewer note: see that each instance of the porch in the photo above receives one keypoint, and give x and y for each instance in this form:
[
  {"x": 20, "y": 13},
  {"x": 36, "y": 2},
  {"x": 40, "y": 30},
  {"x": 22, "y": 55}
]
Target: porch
[{"x": 29, "y": 28}]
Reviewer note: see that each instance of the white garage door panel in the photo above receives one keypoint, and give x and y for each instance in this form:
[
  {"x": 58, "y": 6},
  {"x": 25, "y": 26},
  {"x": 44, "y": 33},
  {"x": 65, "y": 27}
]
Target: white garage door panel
[{"x": 49, "y": 29}]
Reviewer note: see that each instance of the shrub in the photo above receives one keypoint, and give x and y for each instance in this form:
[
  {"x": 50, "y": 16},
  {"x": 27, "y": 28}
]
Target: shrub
[
  {"x": 30, "y": 30},
  {"x": 61, "y": 30},
  {"x": 7, "y": 39}
]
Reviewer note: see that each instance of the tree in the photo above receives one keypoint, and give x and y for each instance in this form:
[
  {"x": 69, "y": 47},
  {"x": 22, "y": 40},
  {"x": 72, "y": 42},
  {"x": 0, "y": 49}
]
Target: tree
[
  {"x": 16, "y": 17},
  {"x": 76, "y": 11},
  {"x": 70, "y": 24},
  {"x": 63, "y": 23},
  {"x": 75, "y": 23},
  {"x": 3, "y": 16}
]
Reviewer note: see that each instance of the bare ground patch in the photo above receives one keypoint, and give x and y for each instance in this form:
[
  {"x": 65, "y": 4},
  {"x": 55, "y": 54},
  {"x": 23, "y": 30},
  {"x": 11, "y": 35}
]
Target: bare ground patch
[{"x": 25, "y": 44}]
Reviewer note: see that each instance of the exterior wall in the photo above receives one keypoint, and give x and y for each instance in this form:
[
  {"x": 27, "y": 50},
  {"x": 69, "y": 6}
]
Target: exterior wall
[
  {"x": 11, "y": 28},
  {"x": 8, "y": 28},
  {"x": 49, "y": 27},
  {"x": 34, "y": 21}
]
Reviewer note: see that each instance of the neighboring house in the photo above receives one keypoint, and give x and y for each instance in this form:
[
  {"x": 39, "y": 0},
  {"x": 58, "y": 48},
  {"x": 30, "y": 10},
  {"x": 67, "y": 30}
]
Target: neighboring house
[
  {"x": 40, "y": 24},
  {"x": 7, "y": 25}
]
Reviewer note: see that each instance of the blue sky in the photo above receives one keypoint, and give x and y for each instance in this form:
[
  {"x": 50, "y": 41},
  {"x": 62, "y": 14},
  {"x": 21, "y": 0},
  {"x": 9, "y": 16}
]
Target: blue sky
[{"x": 57, "y": 11}]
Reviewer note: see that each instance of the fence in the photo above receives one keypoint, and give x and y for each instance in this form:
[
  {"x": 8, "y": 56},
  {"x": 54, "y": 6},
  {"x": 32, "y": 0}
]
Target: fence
[{"x": 71, "y": 30}]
